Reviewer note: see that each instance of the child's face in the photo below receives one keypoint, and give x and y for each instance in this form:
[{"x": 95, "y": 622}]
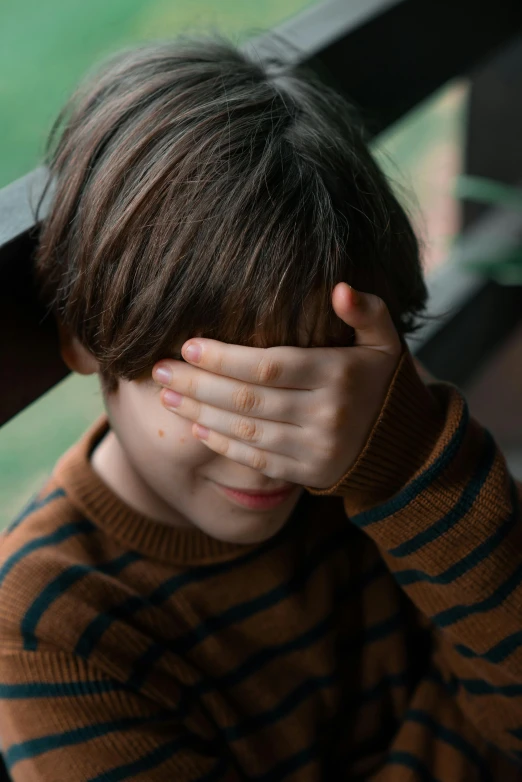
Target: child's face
[{"x": 151, "y": 459}]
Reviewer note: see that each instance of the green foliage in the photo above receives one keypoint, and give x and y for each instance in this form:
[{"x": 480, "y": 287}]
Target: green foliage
[
  {"x": 505, "y": 265},
  {"x": 488, "y": 191}
]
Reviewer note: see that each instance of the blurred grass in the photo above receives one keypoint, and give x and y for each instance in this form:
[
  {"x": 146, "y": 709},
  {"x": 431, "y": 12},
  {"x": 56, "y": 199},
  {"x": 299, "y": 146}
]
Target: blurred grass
[{"x": 45, "y": 48}]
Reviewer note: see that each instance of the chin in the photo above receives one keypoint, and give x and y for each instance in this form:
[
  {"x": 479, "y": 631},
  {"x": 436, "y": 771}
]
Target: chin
[{"x": 245, "y": 532}]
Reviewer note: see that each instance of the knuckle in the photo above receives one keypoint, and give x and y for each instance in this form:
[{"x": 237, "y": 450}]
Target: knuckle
[
  {"x": 258, "y": 460},
  {"x": 222, "y": 445},
  {"x": 245, "y": 429},
  {"x": 268, "y": 370},
  {"x": 218, "y": 365},
  {"x": 191, "y": 387},
  {"x": 194, "y": 409},
  {"x": 245, "y": 399}
]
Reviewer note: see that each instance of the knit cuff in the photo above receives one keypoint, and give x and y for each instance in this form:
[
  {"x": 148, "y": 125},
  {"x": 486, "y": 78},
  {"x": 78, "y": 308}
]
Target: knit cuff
[{"x": 401, "y": 441}]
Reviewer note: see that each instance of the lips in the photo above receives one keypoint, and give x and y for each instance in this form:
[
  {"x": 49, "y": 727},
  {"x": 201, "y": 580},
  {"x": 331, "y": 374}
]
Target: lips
[{"x": 260, "y": 492}]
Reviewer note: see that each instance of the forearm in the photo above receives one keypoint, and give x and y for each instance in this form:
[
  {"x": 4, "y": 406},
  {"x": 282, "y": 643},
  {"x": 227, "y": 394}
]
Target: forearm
[{"x": 434, "y": 492}]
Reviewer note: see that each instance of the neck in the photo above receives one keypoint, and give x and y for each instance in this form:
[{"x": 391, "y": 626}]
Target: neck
[{"x": 110, "y": 462}]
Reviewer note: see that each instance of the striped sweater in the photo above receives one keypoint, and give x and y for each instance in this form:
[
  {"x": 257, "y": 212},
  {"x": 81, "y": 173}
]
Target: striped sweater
[{"x": 377, "y": 636}]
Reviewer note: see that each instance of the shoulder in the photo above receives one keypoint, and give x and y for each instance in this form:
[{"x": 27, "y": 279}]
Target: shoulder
[
  {"x": 46, "y": 554},
  {"x": 48, "y": 520}
]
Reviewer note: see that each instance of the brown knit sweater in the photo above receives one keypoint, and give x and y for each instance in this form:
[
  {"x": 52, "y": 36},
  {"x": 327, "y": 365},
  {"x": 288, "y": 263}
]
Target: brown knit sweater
[{"x": 377, "y": 636}]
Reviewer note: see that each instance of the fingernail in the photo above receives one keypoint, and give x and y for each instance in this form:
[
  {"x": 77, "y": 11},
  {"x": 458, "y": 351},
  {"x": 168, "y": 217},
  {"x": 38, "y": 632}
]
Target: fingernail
[
  {"x": 172, "y": 398},
  {"x": 162, "y": 374},
  {"x": 192, "y": 352}
]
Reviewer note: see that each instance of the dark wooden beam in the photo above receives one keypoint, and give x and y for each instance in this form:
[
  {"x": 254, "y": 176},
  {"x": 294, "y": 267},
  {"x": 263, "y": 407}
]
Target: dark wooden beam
[{"x": 386, "y": 56}]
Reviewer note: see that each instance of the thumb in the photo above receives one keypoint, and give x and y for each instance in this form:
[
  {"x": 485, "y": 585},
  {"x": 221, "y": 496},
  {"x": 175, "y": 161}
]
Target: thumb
[{"x": 368, "y": 315}]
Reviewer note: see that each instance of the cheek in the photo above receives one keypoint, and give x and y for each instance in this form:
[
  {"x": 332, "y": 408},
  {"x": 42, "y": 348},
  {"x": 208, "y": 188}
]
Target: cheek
[
  {"x": 138, "y": 415},
  {"x": 174, "y": 444},
  {"x": 171, "y": 435},
  {"x": 177, "y": 430},
  {"x": 153, "y": 433}
]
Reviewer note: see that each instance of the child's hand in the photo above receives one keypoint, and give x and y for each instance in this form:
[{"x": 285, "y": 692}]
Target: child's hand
[{"x": 301, "y": 415}]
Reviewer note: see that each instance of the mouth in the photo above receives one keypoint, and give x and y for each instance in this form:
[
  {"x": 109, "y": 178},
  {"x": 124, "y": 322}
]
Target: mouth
[
  {"x": 256, "y": 499},
  {"x": 260, "y": 492}
]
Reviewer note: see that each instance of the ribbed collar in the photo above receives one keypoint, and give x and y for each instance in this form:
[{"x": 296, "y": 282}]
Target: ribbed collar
[{"x": 152, "y": 538}]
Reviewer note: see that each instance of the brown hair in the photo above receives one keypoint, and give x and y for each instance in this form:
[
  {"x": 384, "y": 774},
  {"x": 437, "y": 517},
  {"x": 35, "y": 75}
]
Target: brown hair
[{"x": 199, "y": 192}]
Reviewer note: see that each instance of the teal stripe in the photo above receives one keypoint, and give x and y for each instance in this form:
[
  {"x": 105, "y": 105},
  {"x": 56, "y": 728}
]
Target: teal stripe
[
  {"x": 61, "y": 584},
  {"x": 473, "y": 558},
  {"x": 266, "y": 655},
  {"x": 463, "y": 505},
  {"x": 458, "y": 612},
  {"x": 356, "y": 643},
  {"x": 299, "y": 694},
  {"x": 253, "y": 664},
  {"x": 144, "y": 664},
  {"x": 55, "y": 538},
  {"x": 398, "y": 758},
  {"x": 482, "y": 687},
  {"x": 240, "y": 611},
  {"x": 132, "y": 605},
  {"x": 39, "y": 746},
  {"x": 312, "y": 684},
  {"x": 497, "y": 653},
  {"x": 382, "y": 629},
  {"x": 478, "y": 687},
  {"x": 419, "y": 484},
  {"x": 35, "y": 504},
  {"x": 290, "y": 703},
  {"x": 59, "y": 689},
  {"x": 453, "y": 739}
]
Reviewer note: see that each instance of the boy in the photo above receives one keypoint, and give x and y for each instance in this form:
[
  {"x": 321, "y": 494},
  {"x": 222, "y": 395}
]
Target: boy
[{"x": 286, "y": 558}]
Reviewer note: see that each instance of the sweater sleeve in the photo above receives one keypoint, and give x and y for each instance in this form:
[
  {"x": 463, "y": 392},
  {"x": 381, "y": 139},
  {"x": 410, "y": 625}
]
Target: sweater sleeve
[
  {"x": 433, "y": 490},
  {"x": 63, "y": 719}
]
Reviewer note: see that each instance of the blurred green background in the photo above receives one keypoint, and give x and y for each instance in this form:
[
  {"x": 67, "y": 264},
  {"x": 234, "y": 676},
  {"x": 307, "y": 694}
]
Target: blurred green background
[{"x": 45, "y": 48}]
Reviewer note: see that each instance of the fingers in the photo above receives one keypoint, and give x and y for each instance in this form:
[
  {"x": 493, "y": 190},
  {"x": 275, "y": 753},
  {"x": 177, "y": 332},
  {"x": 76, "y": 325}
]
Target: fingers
[
  {"x": 368, "y": 315},
  {"x": 285, "y": 405},
  {"x": 272, "y": 465},
  {"x": 280, "y": 438},
  {"x": 280, "y": 367}
]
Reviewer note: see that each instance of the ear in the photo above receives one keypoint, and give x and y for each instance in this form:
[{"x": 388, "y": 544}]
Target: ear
[{"x": 77, "y": 358}]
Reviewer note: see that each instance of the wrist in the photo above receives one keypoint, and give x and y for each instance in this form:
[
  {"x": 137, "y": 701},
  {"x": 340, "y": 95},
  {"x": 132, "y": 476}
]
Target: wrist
[{"x": 399, "y": 443}]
